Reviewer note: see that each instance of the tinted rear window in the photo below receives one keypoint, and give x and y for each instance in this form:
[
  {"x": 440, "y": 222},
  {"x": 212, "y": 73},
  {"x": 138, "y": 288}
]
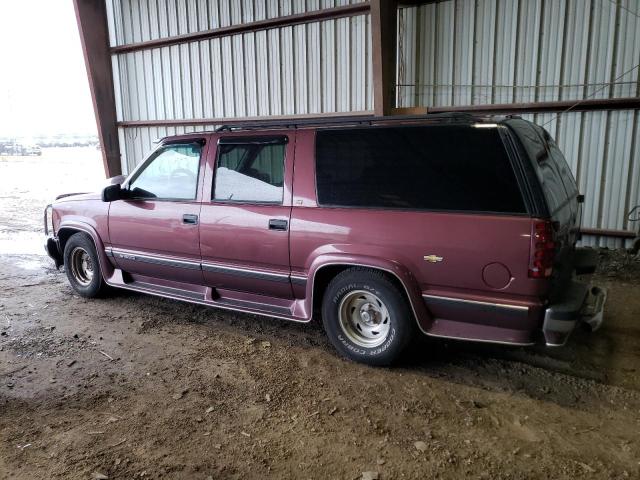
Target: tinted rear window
[
  {"x": 552, "y": 169},
  {"x": 458, "y": 168}
]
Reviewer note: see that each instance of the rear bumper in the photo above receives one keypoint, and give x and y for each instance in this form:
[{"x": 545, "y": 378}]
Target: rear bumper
[{"x": 580, "y": 303}]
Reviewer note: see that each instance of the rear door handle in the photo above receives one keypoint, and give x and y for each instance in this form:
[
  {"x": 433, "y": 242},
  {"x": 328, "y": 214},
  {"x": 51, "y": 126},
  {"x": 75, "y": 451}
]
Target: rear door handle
[
  {"x": 190, "y": 219},
  {"x": 277, "y": 224}
]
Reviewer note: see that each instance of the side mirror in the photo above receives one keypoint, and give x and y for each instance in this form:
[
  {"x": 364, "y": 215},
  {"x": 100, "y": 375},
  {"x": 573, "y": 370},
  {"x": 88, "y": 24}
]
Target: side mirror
[{"x": 112, "y": 192}]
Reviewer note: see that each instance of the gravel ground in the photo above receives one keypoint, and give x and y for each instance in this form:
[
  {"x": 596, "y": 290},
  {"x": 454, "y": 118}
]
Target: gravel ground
[{"x": 133, "y": 386}]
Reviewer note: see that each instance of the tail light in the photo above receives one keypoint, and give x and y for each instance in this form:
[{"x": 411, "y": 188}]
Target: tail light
[{"x": 543, "y": 249}]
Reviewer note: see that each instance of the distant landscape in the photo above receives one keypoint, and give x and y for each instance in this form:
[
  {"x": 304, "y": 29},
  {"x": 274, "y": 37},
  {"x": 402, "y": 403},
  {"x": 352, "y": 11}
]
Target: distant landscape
[{"x": 33, "y": 145}]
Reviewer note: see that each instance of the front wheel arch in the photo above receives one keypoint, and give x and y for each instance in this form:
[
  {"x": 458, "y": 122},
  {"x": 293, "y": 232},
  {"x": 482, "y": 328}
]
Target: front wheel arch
[
  {"x": 87, "y": 280},
  {"x": 65, "y": 233}
]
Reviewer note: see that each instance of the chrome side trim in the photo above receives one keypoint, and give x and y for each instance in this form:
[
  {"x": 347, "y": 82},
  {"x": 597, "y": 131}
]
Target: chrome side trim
[
  {"x": 298, "y": 280},
  {"x": 245, "y": 272},
  {"x": 139, "y": 257},
  {"x": 193, "y": 265},
  {"x": 476, "y": 302}
]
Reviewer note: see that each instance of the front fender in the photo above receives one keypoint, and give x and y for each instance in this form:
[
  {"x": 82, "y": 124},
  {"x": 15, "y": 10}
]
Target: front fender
[{"x": 399, "y": 271}]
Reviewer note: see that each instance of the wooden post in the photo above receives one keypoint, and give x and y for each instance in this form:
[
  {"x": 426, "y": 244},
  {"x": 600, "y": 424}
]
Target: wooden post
[
  {"x": 384, "y": 31},
  {"x": 91, "y": 16}
]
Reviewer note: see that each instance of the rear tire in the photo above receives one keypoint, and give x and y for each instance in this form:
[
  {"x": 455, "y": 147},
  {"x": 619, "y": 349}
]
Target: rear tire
[
  {"x": 366, "y": 317},
  {"x": 82, "y": 266}
]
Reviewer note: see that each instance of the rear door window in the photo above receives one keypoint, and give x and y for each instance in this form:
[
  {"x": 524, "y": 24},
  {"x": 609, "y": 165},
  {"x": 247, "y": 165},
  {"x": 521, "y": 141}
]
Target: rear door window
[
  {"x": 450, "y": 167},
  {"x": 250, "y": 170}
]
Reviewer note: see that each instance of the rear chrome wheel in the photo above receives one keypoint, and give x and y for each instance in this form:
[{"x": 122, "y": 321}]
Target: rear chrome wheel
[
  {"x": 364, "y": 319},
  {"x": 367, "y": 316},
  {"x": 81, "y": 266}
]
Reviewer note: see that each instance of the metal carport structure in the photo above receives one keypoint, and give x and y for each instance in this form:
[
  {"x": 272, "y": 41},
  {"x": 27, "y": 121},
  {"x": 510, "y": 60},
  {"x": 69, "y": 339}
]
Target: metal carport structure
[{"x": 158, "y": 67}]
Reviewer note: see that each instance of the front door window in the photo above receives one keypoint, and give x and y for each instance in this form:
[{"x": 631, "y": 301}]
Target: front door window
[{"x": 170, "y": 174}]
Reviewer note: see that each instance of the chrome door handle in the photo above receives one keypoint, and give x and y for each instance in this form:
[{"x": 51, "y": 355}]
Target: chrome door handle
[
  {"x": 278, "y": 224},
  {"x": 190, "y": 219}
]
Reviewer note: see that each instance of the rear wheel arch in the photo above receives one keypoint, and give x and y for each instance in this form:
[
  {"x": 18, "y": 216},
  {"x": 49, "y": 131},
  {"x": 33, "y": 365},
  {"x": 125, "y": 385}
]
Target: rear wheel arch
[{"x": 323, "y": 275}]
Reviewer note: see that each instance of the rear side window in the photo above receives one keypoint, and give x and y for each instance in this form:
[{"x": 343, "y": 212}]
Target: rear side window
[
  {"x": 458, "y": 168},
  {"x": 548, "y": 162},
  {"x": 566, "y": 175}
]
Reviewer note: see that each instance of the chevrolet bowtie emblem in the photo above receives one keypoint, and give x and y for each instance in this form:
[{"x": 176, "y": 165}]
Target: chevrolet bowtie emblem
[{"x": 432, "y": 258}]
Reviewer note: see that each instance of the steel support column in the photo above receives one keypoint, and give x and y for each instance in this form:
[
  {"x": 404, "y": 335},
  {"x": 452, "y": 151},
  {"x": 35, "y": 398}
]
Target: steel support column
[
  {"x": 92, "y": 23},
  {"x": 384, "y": 19}
]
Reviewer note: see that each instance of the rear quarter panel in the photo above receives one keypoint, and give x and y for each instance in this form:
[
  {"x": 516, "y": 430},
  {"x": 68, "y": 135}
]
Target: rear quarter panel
[{"x": 467, "y": 243}]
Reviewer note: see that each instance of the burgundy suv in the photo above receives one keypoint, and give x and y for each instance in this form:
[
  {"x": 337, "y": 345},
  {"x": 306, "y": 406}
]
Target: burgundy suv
[{"x": 455, "y": 226}]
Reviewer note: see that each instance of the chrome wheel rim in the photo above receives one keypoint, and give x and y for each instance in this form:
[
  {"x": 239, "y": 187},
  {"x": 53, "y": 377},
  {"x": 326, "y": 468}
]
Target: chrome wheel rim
[
  {"x": 364, "y": 319},
  {"x": 81, "y": 266}
]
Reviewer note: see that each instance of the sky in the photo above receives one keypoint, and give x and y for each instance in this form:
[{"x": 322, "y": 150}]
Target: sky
[{"x": 43, "y": 81}]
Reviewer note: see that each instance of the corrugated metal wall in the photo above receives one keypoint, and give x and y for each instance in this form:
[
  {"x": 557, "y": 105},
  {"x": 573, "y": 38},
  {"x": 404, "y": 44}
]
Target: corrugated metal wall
[
  {"x": 313, "y": 68},
  {"x": 455, "y": 52},
  {"x": 464, "y": 52}
]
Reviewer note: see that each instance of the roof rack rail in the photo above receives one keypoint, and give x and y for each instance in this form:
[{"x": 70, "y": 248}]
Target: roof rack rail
[
  {"x": 329, "y": 121},
  {"x": 337, "y": 120}
]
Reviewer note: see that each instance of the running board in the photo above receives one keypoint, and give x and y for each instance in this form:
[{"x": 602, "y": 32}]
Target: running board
[
  {"x": 224, "y": 299},
  {"x": 237, "y": 304},
  {"x": 187, "y": 294}
]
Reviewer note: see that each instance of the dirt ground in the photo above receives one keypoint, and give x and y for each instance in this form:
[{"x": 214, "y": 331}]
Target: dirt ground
[{"x": 133, "y": 386}]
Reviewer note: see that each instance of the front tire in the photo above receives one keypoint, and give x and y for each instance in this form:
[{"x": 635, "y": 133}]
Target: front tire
[
  {"x": 366, "y": 317},
  {"x": 82, "y": 266}
]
